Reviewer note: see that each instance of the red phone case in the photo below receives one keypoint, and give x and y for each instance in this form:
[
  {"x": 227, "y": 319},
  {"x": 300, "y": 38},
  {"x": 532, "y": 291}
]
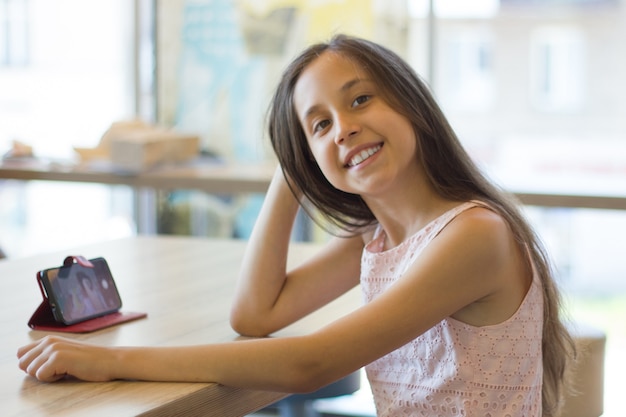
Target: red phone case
[{"x": 43, "y": 319}]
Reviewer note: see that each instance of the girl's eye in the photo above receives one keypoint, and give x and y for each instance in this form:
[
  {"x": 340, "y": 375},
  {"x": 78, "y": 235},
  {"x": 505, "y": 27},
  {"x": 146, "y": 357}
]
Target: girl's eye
[
  {"x": 320, "y": 125},
  {"x": 360, "y": 100}
]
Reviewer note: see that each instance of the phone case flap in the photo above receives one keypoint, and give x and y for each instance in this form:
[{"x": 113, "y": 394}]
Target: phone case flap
[{"x": 43, "y": 319}]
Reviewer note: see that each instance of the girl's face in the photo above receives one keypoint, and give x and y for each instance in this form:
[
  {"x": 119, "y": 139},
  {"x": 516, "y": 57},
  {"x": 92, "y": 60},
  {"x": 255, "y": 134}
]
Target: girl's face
[{"x": 360, "y": 143}]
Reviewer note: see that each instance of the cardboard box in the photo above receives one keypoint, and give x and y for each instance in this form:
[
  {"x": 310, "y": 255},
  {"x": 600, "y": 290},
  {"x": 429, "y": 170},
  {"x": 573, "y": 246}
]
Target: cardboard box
[{"x": 143, "y": 149}]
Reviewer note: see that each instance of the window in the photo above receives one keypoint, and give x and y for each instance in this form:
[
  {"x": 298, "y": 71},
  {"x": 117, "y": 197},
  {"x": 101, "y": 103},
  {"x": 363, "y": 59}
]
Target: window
[
  {"x": 467, "y": 80},
  {"x": 14, "y": 41},
  {"x": 557, "y": 68},
  {"x": 66, "y": 73}
]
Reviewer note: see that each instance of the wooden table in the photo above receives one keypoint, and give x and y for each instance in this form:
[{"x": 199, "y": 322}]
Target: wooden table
[{"x": 185, "y": 285}]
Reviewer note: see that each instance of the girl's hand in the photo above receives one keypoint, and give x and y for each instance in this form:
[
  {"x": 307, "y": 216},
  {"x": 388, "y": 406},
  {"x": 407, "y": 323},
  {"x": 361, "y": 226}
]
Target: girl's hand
[{"x": 52, "y": 358}]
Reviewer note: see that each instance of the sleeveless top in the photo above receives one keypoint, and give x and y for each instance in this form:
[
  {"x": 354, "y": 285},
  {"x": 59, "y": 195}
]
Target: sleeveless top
[{"x": 455, "y": 369}]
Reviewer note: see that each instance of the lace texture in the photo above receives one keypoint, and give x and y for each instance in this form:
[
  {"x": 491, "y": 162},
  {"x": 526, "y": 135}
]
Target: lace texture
[{"x": 455, "y": 369}]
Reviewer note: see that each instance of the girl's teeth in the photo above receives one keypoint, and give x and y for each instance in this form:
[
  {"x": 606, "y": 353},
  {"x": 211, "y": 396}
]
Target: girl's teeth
[{"x": 363, "y": 155}]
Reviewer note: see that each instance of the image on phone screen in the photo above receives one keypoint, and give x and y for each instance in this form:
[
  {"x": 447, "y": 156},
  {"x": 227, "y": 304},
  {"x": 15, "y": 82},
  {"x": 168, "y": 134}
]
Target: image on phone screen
[{"x": 77, "y": 293}]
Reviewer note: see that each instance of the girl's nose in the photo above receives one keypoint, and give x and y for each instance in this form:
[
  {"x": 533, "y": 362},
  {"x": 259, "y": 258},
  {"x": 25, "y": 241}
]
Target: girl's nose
[{"x": 346, "y": 128}]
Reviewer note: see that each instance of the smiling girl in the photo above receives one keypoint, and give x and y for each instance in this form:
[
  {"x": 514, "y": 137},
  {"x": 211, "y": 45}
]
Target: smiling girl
[{"x": 461, "y": 315}]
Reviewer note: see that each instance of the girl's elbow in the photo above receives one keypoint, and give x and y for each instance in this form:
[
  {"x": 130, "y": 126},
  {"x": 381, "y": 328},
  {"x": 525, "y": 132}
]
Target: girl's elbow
[{"x": 247, "y": 324}]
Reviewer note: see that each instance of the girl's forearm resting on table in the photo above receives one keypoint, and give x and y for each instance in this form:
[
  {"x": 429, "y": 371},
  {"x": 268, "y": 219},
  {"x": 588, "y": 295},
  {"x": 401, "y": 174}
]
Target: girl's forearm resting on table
[
  {"x": 285, "y": 365},
  {"x": 244, "y": 364}
]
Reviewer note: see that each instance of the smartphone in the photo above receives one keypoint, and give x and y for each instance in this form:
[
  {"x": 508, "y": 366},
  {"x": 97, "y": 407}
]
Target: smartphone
[{"x": 77, "y": 293}]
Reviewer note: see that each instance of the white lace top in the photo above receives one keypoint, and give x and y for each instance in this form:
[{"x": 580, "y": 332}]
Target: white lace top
[{"x": 455, "y": 369}]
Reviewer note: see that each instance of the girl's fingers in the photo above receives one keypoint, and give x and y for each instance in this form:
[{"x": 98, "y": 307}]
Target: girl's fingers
[
  {"x": 26, "y": 348},
  {"x": 45, "y": 368},
  {"x": 26, "y": 354},
  {"x": 52, "y": 358},
  {"x": 44, "y": 359}
]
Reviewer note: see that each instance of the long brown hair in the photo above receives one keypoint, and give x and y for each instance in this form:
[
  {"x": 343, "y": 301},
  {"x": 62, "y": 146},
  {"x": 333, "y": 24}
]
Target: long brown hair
[{"x": 449, "y": 168}]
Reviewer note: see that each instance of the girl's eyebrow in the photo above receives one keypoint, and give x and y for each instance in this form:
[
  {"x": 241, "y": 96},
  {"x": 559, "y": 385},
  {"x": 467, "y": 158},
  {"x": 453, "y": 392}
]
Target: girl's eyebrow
[{"x": 348, "y": 85}]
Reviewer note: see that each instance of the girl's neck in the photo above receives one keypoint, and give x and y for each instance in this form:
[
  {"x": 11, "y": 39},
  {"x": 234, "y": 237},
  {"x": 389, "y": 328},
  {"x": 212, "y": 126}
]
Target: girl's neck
[{"x": 408, "y": 213}]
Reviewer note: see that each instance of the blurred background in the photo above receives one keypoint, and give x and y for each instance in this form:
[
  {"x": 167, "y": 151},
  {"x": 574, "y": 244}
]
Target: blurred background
[{"x": 536, "y": 90}]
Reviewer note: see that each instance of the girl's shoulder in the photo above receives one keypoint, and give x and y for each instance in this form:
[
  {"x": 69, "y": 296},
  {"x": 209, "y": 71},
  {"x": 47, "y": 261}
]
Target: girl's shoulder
[{"x": 476, "y": 220}]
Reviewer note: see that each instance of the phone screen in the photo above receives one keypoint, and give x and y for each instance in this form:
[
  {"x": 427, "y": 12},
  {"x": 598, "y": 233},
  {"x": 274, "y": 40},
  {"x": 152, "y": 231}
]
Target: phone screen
[{"x": 77, "y": 293}]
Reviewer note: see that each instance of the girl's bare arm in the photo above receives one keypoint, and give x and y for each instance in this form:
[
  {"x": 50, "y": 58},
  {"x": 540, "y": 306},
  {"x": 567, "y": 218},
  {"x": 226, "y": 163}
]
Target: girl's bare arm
[
  {"x": 268, "y": 296},
  {"x": 449, "y": 277}
]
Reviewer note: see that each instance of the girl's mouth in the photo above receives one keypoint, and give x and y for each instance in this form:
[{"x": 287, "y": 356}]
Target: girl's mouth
[{"x": 363, "y": 155}]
